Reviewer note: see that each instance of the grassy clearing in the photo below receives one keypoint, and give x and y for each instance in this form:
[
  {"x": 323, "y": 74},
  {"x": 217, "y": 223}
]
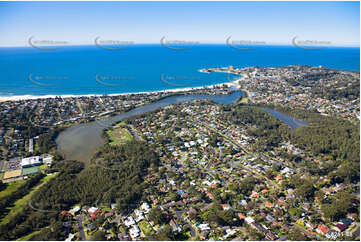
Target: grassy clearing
[
  {"x": 122, "y": 123},
  {"x": 146, "y": 228},
  {"x": 11, "y": 187},
  {"x": 49, "y": 177},
  {"x": 119, "y": 136},
  {"x": 21, "y": 203},
  {"x": 244, "y": 100},
  {"x": 105, "y": 208}
]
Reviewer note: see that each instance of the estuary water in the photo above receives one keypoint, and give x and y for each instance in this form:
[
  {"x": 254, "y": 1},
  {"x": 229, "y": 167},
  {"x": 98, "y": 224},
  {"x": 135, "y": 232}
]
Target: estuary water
[{"x": 80, "y": 142}]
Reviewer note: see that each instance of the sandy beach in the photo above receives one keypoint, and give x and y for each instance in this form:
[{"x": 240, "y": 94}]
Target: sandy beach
[{"x": 232, "y": 84}]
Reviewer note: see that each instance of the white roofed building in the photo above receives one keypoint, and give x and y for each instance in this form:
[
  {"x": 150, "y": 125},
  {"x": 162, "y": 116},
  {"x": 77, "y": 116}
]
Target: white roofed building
[
  {"x": 31, "y": 161},
  {"x": 134, "y": 231},
  {"x": 145, "y": 207},
  {"x": 129, "y": 221}
]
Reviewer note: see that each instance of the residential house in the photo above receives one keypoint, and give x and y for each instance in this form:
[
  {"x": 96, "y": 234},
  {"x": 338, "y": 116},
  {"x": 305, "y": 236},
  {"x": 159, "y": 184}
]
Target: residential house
[
  {"x": 204, "y": 227},
  {"x": 74, "y": 210},
  {"x": 145, "y": 207},
  {"x": 346, "y": 221},
  {"x": 249, "y": 220},
  {"x": 340, "y": 227},
  {"x": 123, "y": 236},
  {"x": 225, "y": 206},
  {"x": 332, "y": 234},
  {"x": 241, "y": 216},
  {"x": 92, "y": 210},
  {"x": 311, "y": 225},
  {"x": 269, "y": 218},
  {"x": 230, "y": 232},
  {"x": 139, "y": 215},
  {"x": 129, "y": 221},
  {"x": 175, "y": 227},
  {"x": 134, "y": 231},
  {"x": 255, "y": 195},
  {"x": 322, "y": 229}
]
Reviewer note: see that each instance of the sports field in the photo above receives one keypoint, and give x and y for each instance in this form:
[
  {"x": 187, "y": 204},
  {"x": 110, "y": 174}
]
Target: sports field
[
  {"x": 11, "y": 174},
  {"x": 29, "y": 171},
  {"x": 119, "y": 136}
]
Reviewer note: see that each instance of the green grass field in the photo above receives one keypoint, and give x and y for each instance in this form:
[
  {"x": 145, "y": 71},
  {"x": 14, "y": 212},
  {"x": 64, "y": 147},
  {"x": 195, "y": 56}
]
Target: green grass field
[
  {"x": 244, "y": 100},
  {"x": 49, "y": 177},
  {"x": 19, "y": 204},
  {"x": 122, "y": 123},
  {"x": 146, "y": 228},
  {"x": 119, "y": 136},
  {"x": 11, "y": 187}
]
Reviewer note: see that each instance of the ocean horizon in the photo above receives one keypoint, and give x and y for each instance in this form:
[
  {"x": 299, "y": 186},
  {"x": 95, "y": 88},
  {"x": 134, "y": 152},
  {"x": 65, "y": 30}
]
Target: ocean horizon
[{"x": 91, "y": 70}]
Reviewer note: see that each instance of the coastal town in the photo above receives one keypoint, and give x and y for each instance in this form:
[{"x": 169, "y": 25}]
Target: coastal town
[
  {"x": 218, "y": 177},
  {"x": 24, "y": 121},
  {"x": 180, "y": 120},
  {"x": 301, "y": 86},
  {"x": 219, "y": 189}
]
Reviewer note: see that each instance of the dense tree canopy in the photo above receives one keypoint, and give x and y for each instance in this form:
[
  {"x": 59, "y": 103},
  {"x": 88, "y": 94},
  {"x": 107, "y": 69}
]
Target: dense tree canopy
[{"x": 114, "y": 175}]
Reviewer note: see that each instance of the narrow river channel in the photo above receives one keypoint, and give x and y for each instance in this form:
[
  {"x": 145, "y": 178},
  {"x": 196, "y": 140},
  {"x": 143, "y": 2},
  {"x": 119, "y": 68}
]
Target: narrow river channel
[{"x": 80, "y": 141}]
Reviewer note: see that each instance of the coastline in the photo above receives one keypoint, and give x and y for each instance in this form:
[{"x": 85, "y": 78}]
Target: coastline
[{"x": 231, "y": 84}]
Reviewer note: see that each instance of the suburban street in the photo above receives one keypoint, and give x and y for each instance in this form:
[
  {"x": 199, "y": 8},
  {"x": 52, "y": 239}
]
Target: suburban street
[
  {"x": 80, "y": 227},
  {"x": 180, "y": 216}
]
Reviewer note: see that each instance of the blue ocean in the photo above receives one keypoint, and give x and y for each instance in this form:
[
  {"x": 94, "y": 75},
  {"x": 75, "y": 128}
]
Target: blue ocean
[{"x": 81, "y": 70}]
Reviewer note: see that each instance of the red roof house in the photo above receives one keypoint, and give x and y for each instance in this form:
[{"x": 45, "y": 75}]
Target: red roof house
[{"x": 322, "y": 229}]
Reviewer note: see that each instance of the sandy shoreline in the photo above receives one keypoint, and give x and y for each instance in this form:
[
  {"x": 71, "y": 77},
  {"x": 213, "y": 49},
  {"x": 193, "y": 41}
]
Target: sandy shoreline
[{"x": 233, "y": 84}]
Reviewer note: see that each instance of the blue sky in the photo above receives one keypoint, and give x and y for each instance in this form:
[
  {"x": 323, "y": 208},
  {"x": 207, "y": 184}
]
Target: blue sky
[{"x": 205, "y": 22}]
